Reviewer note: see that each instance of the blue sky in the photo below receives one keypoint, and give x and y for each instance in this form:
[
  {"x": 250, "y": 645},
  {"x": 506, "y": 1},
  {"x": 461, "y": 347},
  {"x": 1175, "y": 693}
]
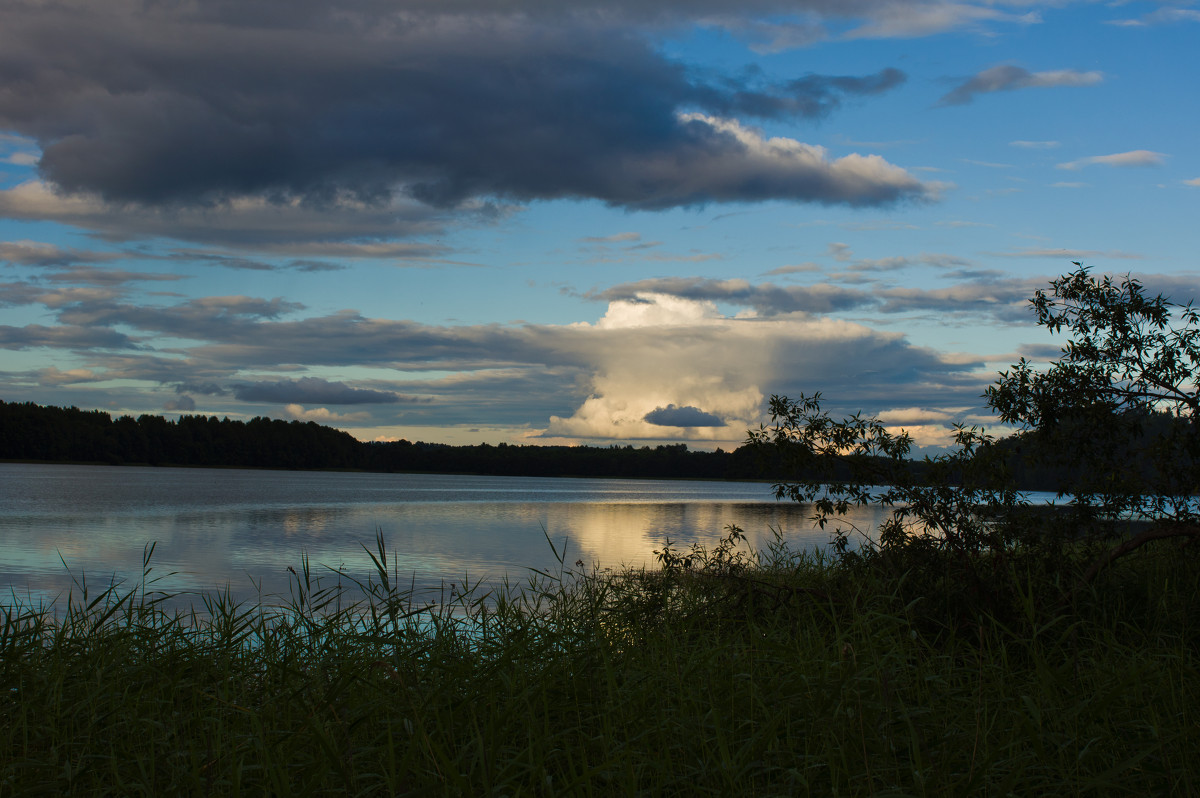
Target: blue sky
[{"x": 583, "y": 222}]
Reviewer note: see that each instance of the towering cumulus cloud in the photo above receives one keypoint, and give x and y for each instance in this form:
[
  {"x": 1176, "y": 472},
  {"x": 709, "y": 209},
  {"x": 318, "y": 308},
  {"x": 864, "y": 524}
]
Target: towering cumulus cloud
[{"x": 663, "y": 360}]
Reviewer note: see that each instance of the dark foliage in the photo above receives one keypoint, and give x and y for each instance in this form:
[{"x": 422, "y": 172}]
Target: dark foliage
[
  {"x": 1116, "y": 414},
  {"x": 1111, "y": 424}
]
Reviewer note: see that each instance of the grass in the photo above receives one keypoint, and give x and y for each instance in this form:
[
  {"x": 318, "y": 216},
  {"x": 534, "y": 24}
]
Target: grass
[{"x": 724, "y": 673}]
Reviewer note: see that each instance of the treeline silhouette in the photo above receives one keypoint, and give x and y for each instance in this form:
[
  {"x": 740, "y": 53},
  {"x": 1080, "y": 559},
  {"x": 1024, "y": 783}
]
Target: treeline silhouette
[{"x": 32, "y": 432}]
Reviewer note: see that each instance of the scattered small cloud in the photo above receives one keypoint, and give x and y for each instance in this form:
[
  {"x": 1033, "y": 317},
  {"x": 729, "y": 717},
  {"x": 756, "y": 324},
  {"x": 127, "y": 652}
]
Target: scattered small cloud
[
  {"x": 1166, "y": 15},
  {"x": 1039, "y": 351},
  {"x": 180, "y": 404},
  {"x": 1035, "y": 145},
  {"x": 962, "y": 223},
  {"x": 795, "y": 268},
  {"x": 1009, "y": 77},
  {"x": 1068, "y": 254},
  {"x": 915, "y": 415},
  {"x": 615, "y": 238},
  {"x": 323, "y": 415},
  {"x": 695, "y": 257},
  {"x": 896, "y": 262},
  {"x": 1195, "y": 181},
  {"x": 243, "y": 263},
  {"x": 625, "y": 247},
  {"x": 875, "y": 225},
  {"x": 644, "y": 298},
  {"x": 306, "y": 265},
  {"x": 22, "y": 159},
  {"x": 53, "y": 376},
  {"x": 203, "y": 388},
  {"x": 909, "y": 20},
  {"x": 841, "y": 252},
  {"x": 37, "y": 253},
  {"x": 92, "y": 275},
  {"x": 1118, "y": 159},
  {"x": 769, "y": 38}
]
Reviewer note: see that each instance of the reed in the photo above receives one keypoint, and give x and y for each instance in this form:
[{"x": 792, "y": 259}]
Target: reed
[{"x": 730, "y": 673}]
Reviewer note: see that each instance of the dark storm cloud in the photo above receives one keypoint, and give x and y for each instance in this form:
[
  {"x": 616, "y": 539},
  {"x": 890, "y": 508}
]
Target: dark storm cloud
[
  {"x": 672, "y": 416},
  {"x": 184, "y": 105},
  {"x": 313, "y": 390},
  {"x": 767, "y": 298}
]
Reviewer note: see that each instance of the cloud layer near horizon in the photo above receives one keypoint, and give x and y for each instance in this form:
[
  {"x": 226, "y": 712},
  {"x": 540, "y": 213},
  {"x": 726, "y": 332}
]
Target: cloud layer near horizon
[{"x": 595, "y": 381}]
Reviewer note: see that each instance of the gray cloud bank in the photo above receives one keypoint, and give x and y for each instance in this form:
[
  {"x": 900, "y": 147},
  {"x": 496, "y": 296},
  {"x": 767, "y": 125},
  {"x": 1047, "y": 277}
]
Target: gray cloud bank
[
  {"x": 350, "y": 108},
  {"x": 312, "y": 390},
  {"x": 665, "y": 364}
]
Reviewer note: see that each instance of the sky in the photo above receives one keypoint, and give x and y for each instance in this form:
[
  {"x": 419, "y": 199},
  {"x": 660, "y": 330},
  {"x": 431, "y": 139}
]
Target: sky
[{"x": 575, "y": 221}]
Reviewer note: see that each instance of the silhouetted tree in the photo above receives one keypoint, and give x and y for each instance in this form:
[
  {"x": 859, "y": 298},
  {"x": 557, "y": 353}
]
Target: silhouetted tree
[{"x": 1113, "y": 419}]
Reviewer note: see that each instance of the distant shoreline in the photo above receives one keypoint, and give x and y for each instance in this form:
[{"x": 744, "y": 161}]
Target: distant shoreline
[{"x": 12, "y": 461}]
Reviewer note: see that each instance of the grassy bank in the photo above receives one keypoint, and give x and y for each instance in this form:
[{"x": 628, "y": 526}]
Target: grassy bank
[{"x": 774, "y": 674}]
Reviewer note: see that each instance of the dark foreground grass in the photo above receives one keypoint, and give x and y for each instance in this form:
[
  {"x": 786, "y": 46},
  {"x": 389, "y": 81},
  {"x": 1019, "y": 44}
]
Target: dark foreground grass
[{"x": 781, "y": 674}]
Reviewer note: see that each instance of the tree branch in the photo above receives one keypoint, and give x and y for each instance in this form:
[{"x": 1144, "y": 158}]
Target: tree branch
[{"x": 1157, "y": 532}]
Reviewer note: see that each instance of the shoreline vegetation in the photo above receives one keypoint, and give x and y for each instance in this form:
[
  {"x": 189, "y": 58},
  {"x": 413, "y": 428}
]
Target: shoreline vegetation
[{"x": 724, "y": 672}]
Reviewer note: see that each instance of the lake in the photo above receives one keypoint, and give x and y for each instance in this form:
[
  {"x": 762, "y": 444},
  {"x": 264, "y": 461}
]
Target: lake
[{"x": 242, "y": 529}]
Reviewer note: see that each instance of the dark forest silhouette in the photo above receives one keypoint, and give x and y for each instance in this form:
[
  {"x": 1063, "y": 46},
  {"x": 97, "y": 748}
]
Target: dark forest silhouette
[{"x": 31, "y": 432}]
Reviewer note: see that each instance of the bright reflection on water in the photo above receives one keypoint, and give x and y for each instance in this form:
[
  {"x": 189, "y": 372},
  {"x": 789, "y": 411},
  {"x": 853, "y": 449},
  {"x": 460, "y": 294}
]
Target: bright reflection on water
[{"x": 241, "y": 529}]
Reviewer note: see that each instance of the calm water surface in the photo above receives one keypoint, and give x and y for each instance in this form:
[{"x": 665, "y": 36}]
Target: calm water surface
[{"x": 241, "y": 529}]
